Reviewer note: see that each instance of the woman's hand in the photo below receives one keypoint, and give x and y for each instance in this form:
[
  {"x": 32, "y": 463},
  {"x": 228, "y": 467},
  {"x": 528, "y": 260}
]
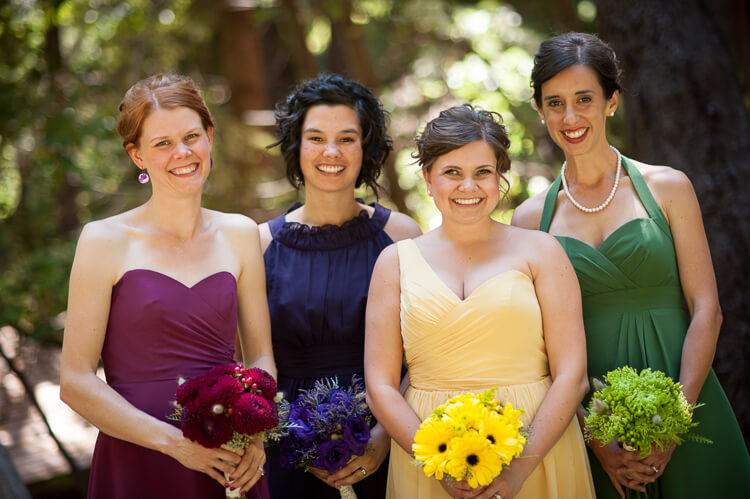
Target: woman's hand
[
  {"x": 658, "y": 460},
  {"x": 212, "y": 462},
  {"x": 506, "y": 485},
  {"x": 359, "y": 467},
  {"x": 460, "y": 490},
  {"x": 622, "y": 466},
  {"x": 250, "y": 469}
]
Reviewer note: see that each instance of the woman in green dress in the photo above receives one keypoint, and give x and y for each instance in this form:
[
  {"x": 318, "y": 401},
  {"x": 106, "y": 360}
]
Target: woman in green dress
[{"x": 635, "y": 236}]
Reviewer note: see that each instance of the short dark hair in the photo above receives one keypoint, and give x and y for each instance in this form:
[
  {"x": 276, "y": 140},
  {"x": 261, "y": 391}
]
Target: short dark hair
[
  {"x": 459, "y": 126},
  {"x": 563, "y": 51},
  {"x": 332, "y": 90}
]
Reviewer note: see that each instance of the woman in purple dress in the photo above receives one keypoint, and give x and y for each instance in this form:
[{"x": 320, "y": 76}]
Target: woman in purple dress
[
  {"x": 157, "y": 292},
  {"x": 319, "y": 257}
]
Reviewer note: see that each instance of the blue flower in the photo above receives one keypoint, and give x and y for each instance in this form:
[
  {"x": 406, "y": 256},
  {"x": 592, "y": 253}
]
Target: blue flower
[
  {"x": 356, "y": 435},
  {"x": 341, "y": 399},
  {"x": 334, "y": 454}
]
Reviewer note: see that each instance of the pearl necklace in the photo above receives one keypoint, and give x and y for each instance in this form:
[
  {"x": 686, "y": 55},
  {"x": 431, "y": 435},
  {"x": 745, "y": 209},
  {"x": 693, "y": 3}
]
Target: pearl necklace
[{"x": 611, "y": 193}]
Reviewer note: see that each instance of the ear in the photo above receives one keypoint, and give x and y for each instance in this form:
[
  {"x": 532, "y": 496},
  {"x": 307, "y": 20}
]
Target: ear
[
  {"x": 536, "y": 108},
  {"x": 135, "y": 155},
  {"x": 427, "y": 181},
  {"x": 613, "y": 102},
  {"x": 210, "y": 135}
]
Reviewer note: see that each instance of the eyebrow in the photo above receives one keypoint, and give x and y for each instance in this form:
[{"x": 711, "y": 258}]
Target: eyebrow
[
  {"x": 577, "y": 93},
  {"x": 486, "y": 165},
  {"x": 153, "y": 139},
  {"x": 347, "y": 130}
]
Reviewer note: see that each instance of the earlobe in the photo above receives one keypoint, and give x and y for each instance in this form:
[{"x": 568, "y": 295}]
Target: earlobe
[{"x": 135, "y": 155}]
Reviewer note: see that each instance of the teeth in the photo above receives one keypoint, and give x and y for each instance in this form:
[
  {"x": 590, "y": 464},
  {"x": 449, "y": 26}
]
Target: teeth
[
  {"x": 330, "y": 169},
  {"x": 468, "y": 201},
  {"x": 575, "y": 134},
  {"x": 185, "y": 169}
]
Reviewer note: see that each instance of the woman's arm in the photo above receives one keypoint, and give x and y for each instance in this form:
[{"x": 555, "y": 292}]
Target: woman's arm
[
  {"x": 384, "y": 350},
  {"x": 254, "y": 331},
  {"x": 92, "y": 277},
  {"x": 680, "y": 204}
]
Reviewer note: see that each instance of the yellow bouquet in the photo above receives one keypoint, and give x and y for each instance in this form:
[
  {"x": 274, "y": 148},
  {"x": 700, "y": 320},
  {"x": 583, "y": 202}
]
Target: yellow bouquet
[{"x": 471, "y": 437}]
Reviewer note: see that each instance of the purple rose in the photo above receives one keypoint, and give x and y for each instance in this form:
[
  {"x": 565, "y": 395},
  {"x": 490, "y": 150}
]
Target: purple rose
[
  {"x": 288, "y": 448},
  {"x": 303, "y": 433},
  {"x": 333, "y": 455},
  {"x": 299, "y": 413},
  {"x": 356, "y": 435}
]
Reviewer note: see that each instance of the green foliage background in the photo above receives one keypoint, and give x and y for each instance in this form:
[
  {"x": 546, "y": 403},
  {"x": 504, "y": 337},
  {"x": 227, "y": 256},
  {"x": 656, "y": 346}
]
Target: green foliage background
[{"x": 65, "y": 64}]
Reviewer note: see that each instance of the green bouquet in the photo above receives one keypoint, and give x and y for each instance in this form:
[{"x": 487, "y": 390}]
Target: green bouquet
[{"x": 640, "y": 411}]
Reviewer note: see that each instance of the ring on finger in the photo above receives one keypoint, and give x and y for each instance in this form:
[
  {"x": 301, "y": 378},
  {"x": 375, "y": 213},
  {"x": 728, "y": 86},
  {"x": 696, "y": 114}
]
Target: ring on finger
[
  {"x": 655, "y": 469},
  {"x": 260, "y": 470},
  {"x": 497, "y": 496},
  {"x": 364, "y": 471}
]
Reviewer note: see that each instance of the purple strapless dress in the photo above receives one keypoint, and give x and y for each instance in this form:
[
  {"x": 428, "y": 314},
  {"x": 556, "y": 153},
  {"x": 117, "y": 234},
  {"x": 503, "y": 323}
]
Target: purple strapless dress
[{"x": 158, "y": 331}]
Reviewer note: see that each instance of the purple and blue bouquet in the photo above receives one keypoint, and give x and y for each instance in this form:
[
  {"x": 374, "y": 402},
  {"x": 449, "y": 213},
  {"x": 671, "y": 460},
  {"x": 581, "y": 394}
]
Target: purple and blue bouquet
[{"x": 326, "y": 426}]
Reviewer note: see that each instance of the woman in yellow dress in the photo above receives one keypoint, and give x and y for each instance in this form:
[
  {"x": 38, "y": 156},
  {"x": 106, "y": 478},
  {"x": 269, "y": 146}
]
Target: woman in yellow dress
[{"x": 476, "y": 304}]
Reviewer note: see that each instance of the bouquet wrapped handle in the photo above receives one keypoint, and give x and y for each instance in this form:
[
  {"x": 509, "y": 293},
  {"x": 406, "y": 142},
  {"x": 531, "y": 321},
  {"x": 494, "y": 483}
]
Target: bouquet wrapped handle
[{"x": 347, "y": 492}]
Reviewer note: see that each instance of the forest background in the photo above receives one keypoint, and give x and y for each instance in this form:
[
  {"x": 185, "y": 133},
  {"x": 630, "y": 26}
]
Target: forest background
[{"x": 65, "y": 64}]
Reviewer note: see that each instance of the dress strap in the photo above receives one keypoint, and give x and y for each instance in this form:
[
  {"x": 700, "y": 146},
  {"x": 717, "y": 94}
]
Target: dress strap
[
  {"x": 380, "y": 216},
  {"x": 644, "y": 193},
  {"x": 550, "y": 201},
  {"x": 276, "y": 224}
]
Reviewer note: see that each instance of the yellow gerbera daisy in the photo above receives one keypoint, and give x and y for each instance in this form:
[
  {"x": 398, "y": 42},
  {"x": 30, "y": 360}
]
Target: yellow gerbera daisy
[
  {"x": 504, "y": 438},
  {"x": 464, "y": 415},
  {"x": 473, "y": 458},
  {"x": 432, "y": 446}
]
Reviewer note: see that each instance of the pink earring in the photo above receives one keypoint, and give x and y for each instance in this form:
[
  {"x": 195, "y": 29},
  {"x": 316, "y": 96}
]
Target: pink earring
[
  {"x": 143, "y": 177},
  {"x": 212, "y": 162}
]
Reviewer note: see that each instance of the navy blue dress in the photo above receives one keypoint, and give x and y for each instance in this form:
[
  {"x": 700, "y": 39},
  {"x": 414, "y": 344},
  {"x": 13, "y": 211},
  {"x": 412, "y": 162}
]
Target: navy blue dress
[{"x": 317, "y": 279}]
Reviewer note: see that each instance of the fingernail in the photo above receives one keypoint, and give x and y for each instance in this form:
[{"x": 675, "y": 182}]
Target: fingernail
[{"x": 231, "y": 479}]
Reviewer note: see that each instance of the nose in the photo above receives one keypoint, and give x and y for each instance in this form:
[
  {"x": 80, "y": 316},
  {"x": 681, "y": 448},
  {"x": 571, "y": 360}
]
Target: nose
[
  {"x": 468, "y": 184},
  {"x": 570, "y": 115},
  {"x": 332, "y": 149},
  {"x": 181, "y": 150}
]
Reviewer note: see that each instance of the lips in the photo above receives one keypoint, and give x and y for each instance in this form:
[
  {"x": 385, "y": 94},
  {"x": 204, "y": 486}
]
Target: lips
[
  {"x": 185, "y": 170},
  {"x": 467, "y": 201},
  {"x": 330, "y": 168},
  {"x": 575, "y": 135}
]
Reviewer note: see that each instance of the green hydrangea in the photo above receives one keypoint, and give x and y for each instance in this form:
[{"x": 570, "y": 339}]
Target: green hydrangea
[{"x": 640, "y": 410}]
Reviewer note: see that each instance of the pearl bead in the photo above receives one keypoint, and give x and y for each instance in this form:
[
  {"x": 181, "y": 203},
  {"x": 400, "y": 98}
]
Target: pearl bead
[{"x": 611, "y": 193}]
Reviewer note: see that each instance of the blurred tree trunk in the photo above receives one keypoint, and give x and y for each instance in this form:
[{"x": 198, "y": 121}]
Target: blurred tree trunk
[
  {"x": 684, "y": 108},
  {"x": 349, "y": 53},
  {"x": 304, "y": 63}
]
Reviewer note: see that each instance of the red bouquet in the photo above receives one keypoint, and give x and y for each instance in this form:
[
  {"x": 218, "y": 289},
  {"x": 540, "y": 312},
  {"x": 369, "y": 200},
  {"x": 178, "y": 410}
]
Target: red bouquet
[{"x": 228, "y": 405}]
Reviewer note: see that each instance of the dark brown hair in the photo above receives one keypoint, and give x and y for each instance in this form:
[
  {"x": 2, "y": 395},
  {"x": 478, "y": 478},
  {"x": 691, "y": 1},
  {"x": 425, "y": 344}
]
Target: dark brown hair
[
  {"x": 155, "y": 92},
  {"x": 458, "y": 126},
  {"x": 332, "y": 90},
  {"x": 563, "y": 51}
]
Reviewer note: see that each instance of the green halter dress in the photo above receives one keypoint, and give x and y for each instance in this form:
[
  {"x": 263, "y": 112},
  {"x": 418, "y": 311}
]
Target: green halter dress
[{"x": 634, "y": 315}]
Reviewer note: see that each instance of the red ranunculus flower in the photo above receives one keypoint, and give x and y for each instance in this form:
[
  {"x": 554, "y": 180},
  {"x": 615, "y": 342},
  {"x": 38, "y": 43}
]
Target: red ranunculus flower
[
  {"x": 222, "y": 390},
  {"x": 266, "y": 383},
  {"x": 201, "y": 424},
  {"x": 190, "y": 390},
  {"x": 252, "y": 413}
]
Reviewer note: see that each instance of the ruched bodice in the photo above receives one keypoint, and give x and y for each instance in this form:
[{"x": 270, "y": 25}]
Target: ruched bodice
[
  {"x": 317, "y": 279},
  {"x": 437, "y": 325},
  {"x": 158, "y": 331},
  {"x": 492, "y": 338},
  {"x": 634, "y": 314}
]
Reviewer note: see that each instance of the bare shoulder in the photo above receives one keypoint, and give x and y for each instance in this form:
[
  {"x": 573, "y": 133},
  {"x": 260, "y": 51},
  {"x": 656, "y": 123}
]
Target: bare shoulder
[
  {"x": 667, "y": 184},
  {"x": 542, "y": 250},
  {"x": 528, "y": 214},
  {"x": 233, "y": 221},
  {"x": 401, "y": 226},
  {"x": 266, "y": 237},
  {"x": 102, "y": 248}
]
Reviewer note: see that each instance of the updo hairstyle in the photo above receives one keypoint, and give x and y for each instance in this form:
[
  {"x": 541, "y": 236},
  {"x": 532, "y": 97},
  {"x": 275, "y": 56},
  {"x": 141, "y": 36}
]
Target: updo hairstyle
[
  {"x": 563, "y": 51},
  {"x": 157, "y": 92},
  {"x": 459, "y": 126}
]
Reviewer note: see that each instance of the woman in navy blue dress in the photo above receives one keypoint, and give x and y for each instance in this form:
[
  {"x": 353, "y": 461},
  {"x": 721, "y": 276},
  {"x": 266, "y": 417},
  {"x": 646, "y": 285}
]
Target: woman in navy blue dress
[{"x": 319, "y": 258}]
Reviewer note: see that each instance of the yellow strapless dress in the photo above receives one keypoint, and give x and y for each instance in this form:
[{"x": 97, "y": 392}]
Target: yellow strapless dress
[{"x": 492, "y": 338}]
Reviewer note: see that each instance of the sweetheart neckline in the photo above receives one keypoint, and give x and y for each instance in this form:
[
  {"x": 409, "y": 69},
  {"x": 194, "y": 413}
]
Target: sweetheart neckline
[
  {"x": 169, "y": 277},
  {"x": 610, "y": 236}
]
